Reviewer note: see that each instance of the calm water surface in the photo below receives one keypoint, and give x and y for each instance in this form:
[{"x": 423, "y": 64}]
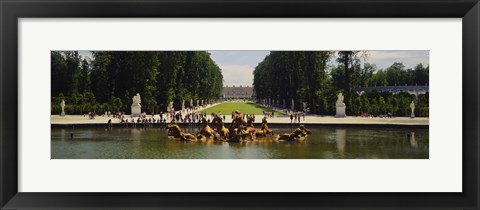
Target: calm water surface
[{"x": 323, "y": 143}]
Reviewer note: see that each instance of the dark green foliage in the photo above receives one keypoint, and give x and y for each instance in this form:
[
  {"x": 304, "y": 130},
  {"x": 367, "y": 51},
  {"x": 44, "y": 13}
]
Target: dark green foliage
[
  {"x": 66, "y": 73},
  {"x": 112, "y": 78},
  {"x": 397, "y": 75},
  {"x": 293, "y": 75},
  {"x": 307, "y": 77}
]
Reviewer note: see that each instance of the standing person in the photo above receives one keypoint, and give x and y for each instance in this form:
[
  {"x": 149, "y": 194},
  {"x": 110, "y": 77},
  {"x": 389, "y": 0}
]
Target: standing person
[
  {"x": 291, "y": 118},
  {"x": 273, "y": 114}
]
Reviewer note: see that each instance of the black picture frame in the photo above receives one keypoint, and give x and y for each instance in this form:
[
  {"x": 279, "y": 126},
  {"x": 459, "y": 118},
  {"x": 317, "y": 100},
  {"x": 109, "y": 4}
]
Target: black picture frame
[{"x": 10, "y": 10}]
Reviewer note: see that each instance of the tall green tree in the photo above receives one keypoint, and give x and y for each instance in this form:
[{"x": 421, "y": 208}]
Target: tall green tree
[
  {"x": 287, "y": 75},
  {"x": 112, "y": 78}
]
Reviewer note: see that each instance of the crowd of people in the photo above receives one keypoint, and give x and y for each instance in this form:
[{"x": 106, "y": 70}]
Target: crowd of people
[
  {"x": 268, "y": 114},
  {"x": 296, "y": 116},
  {"x": 191, "y": 116}
]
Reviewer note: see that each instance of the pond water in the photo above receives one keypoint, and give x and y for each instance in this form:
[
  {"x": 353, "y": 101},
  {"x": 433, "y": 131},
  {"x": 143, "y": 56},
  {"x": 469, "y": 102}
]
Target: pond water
[{"x": 323, "y": 143}]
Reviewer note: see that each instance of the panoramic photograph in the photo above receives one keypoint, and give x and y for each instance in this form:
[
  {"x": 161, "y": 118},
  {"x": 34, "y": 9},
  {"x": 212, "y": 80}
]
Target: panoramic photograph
[{"x": 240, "y": 104}]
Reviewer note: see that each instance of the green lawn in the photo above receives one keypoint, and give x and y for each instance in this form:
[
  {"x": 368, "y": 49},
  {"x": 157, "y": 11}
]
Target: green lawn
[{"x": 245, "y": 108}]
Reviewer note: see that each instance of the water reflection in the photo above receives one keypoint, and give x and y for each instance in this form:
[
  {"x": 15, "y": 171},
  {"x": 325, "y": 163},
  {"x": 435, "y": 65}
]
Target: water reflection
[
  {"x": 413, "y": 142},
  {"x": 341, "y": 139},
  {"x": 324, "y": 142}
]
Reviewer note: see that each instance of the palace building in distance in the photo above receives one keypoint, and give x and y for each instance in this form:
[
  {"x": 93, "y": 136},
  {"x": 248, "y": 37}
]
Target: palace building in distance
[{"x": 238, "y": 92}]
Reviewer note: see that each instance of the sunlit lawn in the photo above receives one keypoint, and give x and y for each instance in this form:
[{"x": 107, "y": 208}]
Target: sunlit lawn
[{"x": 244, "y": 107}]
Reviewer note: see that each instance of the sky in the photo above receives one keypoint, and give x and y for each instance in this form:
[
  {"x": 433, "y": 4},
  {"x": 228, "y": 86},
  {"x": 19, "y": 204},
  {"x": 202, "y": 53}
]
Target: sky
[
  {"x": 85, "y": 54},
  {"x": 238, "y": 65}
]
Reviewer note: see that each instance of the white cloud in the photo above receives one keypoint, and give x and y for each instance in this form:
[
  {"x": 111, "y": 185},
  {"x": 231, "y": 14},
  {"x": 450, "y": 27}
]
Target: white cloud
[
  {"x": 385, "y": 58},
  {"x": 409, "y": 58},
  {"x": 84, "y": 54},
  {"x": 237, "y": 75},
  {"x": 238, "y": 57},
  {"x": 238, "y": 65}
]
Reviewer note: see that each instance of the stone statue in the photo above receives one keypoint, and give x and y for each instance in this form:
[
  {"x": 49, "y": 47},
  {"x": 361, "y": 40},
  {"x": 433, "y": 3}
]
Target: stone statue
[
  {"x": 62, "y": 104},
  {"x": 183, "y": 104},
  {"x": 136, "y": 99},
  {"x": 340, "y": 106},
  {"x": 340, "y": 99},
  {"x": 170, "y": 106},
  {"x": 293, "y": 104},
  {"x": 412, "y": 106},
  {"x": 136, "y": 107}
]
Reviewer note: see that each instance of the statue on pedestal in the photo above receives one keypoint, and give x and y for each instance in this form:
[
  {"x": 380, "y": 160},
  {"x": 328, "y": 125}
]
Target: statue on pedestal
[
  {"x": 412, "y": 106},
  {"x": 62, "y": 104},
  {"x": 340, "y": 106},
  {"x": 136, "y": 107}
]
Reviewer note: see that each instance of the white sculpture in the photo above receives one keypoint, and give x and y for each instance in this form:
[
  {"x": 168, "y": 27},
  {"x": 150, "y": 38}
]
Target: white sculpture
[
  {"x": 170, "y": 107},
  {"x": 293, "y": 104},
  {"x": 136, "y": 107},
  {"x": 62, "y": 104},
  {"x": 183, "y": 104},
  {"x": 412, "y": 106},
  {"x": 340, "y": 106},
  {"x": 340, "y": 99},
  {"x": 136, "y": 99}
]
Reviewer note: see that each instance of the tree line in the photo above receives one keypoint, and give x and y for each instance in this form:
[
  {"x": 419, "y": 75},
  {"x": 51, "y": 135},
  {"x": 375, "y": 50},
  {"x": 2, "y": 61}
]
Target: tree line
[
  {"x": 310, "y": 76},
  {"x": 109, "y": 80}
]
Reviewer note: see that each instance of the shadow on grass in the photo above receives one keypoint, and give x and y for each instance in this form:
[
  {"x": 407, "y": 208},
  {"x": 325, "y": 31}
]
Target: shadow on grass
[{"x": 264, "y": 108}]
